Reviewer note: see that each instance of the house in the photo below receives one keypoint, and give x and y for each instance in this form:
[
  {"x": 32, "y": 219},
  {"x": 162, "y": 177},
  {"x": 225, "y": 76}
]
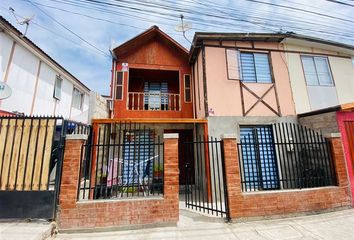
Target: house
[
  {"x": 321, "y": 72},
  {"x": 39, "y": 84},
  {"x": 240, "y": 151},
  {"x": 152, "y": 85}
]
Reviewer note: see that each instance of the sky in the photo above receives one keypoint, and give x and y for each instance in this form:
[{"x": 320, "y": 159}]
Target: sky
[{"x": 78, "y": 34}]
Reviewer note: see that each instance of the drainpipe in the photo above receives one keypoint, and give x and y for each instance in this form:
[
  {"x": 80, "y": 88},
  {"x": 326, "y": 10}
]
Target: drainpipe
[{"x": 113, "y": 76}]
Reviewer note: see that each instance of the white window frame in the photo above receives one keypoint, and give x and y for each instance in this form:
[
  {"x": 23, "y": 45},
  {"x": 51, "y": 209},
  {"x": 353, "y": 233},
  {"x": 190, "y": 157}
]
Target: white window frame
[
  {"x": 57, "y": 90},
  {"x": 318, "y": 79},
  {"x": 81, "y": 100},
  {"x": 255, "y": 68}
]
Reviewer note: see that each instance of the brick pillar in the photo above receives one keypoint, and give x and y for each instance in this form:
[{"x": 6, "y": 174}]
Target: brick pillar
[
  {"x": 232, "y": 172},
  {"x": 338, "y": 159},
  {"x": 70, "y": 174},
  {"x": 171, "y": 174}
]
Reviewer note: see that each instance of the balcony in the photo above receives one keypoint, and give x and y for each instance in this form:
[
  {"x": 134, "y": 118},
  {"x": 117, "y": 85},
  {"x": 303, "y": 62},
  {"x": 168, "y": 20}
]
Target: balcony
[{"x": 153, "y": 101}]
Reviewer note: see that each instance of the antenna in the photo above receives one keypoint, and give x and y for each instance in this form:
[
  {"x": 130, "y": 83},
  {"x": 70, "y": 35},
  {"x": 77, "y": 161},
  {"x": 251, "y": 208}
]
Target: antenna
[
  {"x": 26, "y": 20},
  {"x": 183, "y": 27}
]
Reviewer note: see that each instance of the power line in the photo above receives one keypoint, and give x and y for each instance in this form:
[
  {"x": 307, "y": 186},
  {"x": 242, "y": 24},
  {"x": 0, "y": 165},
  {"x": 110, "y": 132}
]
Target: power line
[
  {"x": 220, "y": 24},
  {"x": 55, "y": 33},
  {"x": 339, "y": 2},
  {"x": 301, "y": 10},
  {"x": 72, "y": 32},
  {"x": 96, "y": 3}
]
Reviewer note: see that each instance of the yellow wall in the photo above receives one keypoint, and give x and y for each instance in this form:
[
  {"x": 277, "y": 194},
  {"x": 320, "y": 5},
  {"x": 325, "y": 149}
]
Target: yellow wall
[{"x": 342, "y": 72}]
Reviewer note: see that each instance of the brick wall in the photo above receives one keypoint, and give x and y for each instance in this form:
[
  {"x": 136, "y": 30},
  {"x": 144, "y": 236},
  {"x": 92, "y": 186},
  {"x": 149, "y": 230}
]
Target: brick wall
[
  {"x": 283, "y": 202},
  {"x": 111, "y": 213},
  {"x": 324, "y": 122}
]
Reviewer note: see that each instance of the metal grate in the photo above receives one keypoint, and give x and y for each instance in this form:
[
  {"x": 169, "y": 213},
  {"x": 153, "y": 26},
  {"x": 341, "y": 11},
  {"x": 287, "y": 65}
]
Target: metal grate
[
  {"x": 124, "y": 160},
  {"x": 284, "y": 156}
]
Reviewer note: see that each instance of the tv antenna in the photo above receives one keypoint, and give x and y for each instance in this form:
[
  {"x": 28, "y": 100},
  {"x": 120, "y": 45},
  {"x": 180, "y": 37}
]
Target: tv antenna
[
  {"x": 26, "y": 21},
  {"x": 184, "y": 27}
]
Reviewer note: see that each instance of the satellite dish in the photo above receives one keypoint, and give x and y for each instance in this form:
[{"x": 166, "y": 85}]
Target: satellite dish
[
  {"x": 183, "y": 27},
  {"x": 5, "y": 90}
]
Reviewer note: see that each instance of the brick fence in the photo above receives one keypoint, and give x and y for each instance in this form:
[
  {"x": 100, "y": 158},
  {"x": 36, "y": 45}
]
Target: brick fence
[
  {"x": 73, "y": 214},
  {"x": 283, "y": 202}
]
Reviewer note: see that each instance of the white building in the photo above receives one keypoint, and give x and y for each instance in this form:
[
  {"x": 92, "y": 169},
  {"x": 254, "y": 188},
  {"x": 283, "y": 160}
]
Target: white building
[{"x": 40, "y": 86}]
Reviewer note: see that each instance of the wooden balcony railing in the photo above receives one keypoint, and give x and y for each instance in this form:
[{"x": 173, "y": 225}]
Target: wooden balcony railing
[{"x": 153, "y": 101}]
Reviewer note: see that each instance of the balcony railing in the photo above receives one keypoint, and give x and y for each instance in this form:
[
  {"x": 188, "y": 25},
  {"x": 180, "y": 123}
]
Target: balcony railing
[{"x": 152, "y": 101}]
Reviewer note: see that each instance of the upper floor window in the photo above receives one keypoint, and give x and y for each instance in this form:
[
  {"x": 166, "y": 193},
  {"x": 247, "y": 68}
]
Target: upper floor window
[
  {"x": 57, "y": 87},
  {"x": 78, "y": 99},
  {"x": 187, "y": 88},
  {"x": 317, "y": 71},
  {"x": 156, "y": 96},
  {"x": 255, "y": 67},
  {"x": 119, "y": 86}
]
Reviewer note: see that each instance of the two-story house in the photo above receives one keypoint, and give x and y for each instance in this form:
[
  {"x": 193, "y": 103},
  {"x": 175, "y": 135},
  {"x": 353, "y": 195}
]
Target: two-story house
[
  {"x": 39, "y": 84},
  {"x": 152, "y": 85},
  {"x": 245, "y": 82},
  {"x": 240, "y": 79}
]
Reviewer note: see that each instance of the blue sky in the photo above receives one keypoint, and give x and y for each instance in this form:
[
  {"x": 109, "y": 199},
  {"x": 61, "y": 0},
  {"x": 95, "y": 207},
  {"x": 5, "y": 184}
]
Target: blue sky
[{"x": 111, "y": 25}]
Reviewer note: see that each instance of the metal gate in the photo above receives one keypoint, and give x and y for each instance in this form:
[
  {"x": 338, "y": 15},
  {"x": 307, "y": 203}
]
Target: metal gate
[
  {"x": 31, "y": 152},
  {"x": 349, "y": 128},
  {"x": 206, "y": 189}
]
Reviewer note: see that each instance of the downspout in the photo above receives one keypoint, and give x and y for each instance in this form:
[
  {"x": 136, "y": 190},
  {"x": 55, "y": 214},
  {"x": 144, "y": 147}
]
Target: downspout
[
  {"x": 205, "y": 89},
  {"x": 113, "y": 75},
  {"x": 206, "y": 134}
]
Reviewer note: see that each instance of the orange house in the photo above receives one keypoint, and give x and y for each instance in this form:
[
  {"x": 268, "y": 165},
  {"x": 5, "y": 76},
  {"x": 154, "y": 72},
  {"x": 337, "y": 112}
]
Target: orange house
[
  {"x": 152, "y": 85},
  {"x": 151, "y": 78}
]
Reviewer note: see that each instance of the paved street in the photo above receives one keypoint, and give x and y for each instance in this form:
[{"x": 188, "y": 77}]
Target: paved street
[{"x": 332, "y": 226}]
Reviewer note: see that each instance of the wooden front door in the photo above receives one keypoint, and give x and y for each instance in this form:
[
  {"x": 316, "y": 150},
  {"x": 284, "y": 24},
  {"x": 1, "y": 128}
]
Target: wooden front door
[{"x": 185, "y": 135}]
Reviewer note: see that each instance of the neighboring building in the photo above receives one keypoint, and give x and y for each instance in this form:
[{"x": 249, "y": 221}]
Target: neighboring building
[
  {"x": 241, "y": 80},
  {"x": 99, "y": 107},
  {"x": 40, "y": 86},
  {"x": 321, "y": 72}
]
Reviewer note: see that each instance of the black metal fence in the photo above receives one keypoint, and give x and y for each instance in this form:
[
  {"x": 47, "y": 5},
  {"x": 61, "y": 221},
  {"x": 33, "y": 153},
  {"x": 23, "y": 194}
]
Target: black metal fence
[
  {"x": 284, "y": 156},
  {"x": 206, "y": 189},
  {"x": 31, "y": 152},
  {"x": 124, "y": 160}
]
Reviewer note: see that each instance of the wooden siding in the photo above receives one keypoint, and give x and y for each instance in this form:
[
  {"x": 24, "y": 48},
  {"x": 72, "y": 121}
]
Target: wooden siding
[
  {"x": 155, "y": 54},
  {"x": 25, "y": 152}
]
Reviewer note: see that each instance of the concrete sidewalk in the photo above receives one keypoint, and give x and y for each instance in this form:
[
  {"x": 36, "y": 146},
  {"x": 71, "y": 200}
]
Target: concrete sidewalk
[
  {"x": 332, "y": 226},
  {"x": 26, "y": 230}
]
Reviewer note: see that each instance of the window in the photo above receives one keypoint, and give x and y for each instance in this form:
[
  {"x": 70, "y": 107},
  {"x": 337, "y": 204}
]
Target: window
[
  {"x": 258, "y": 156},
  {"x": 119, "y": 86},
  {"x": 187, "y": 88},
  {"x": 317, "y": 71},
  {"x": 156, "y": 96},
  {"x": 78, "y": 98},
  {"x": 57, "y": 87},
  {"x": 255, "y": 67}
]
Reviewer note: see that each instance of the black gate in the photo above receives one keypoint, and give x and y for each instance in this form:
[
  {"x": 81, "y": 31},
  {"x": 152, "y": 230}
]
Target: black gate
[
  {"x": 284, "y": 156},
  {"x": 31, "y": 153},
  {"x": 123, "y": 160},
  {"x": 205, "y": 190}
]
